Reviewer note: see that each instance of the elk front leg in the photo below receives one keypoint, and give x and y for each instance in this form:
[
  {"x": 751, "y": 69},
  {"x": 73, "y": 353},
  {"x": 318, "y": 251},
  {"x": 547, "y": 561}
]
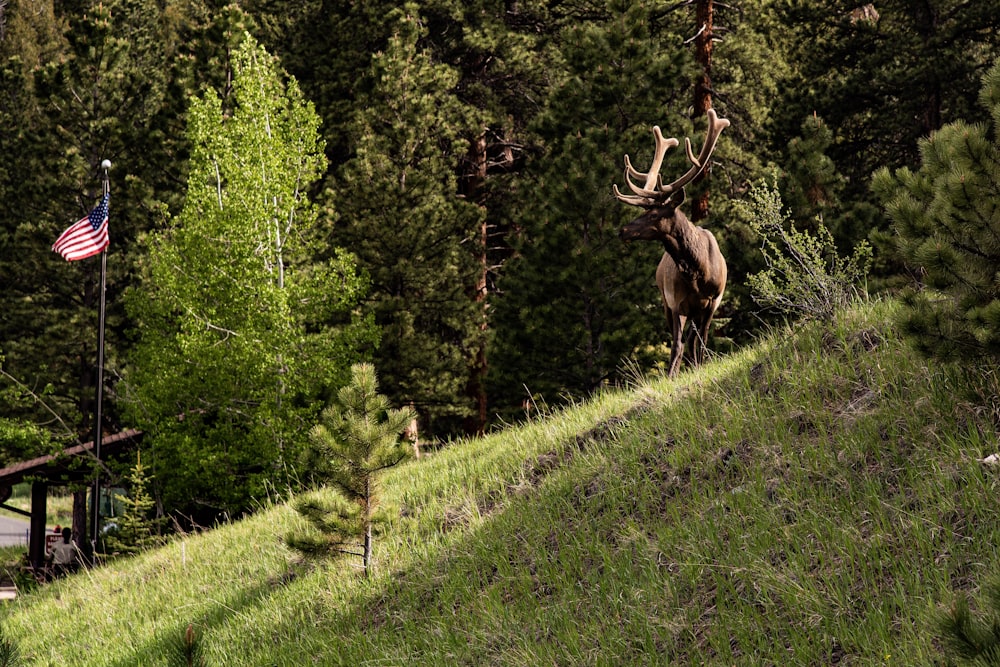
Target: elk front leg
[{"x": 677, "y": 347}]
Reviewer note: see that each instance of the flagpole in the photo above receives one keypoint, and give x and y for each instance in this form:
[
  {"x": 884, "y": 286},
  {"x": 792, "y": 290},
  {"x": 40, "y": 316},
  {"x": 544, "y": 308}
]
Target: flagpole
[{"x": 95, "y": 516}]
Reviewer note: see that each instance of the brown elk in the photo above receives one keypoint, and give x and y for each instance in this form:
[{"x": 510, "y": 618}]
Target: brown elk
[{"x": 692, "y": 272}]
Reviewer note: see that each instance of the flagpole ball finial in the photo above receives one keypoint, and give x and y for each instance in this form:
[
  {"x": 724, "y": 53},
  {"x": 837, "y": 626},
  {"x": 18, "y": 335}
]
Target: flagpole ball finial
[{"x": 106, "y": 164}]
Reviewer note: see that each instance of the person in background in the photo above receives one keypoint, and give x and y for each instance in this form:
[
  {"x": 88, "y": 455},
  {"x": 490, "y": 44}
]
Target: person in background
[{"x": 64, "y": 555}]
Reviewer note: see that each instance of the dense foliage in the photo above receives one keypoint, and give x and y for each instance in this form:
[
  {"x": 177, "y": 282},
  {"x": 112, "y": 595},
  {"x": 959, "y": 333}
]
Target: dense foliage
[
  {"x": 469, "y": 149},
  {"x": 237, "y": 337},
  {"x": 948, "y": 226}
]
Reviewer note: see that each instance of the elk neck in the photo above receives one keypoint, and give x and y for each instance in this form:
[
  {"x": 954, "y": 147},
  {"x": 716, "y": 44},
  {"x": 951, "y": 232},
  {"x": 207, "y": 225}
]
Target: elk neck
[{"x": 686, "y": 246}]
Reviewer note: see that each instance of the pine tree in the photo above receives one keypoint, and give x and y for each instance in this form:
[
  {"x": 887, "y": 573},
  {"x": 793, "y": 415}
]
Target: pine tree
[
  {"x": 402, "y": 216},
  {"x": 882, "y": 75},
  {"x": 187, "y": 650},
  {"x": 82, "y": 83},
  {"x": 970, "y": 640},
  {"x": 500, "y": 72},
  {"x": 10, "y": 652},
  {"x": 811, "y": 185},
  {"x": 574, "y": 302},
  {"x": 136, "y": 529},
  {"x": 358, "y": 437},
  {"x": 948, "y": 226}
]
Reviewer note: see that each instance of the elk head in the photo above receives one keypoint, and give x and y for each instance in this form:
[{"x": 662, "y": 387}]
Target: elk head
[
  {"x": 662, "y": 200},
  {"x": 692, "y": 272}
]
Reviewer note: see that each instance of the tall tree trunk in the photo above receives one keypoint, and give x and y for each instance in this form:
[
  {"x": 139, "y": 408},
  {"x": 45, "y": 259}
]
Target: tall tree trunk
[
  {"x": 703, "y": 85},
  {"x": 475, "y": 388}
]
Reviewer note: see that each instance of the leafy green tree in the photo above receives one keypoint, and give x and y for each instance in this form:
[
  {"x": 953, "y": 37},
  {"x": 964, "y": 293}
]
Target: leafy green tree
[
  {"x": 241, "y": 330},
  {"x": 402, "y": 216},
  {"x": 358, "y": 437},
  {"x": 20, "y": 441},
  {"x": 948, "y": 229}
]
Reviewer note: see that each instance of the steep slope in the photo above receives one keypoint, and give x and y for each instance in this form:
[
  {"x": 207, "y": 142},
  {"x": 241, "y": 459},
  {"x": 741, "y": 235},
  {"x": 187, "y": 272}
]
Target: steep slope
[{"x": 808, "y": 501}]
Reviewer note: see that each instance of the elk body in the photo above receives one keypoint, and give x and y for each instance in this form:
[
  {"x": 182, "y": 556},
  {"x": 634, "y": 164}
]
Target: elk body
[{"x": 691, "y": 275}]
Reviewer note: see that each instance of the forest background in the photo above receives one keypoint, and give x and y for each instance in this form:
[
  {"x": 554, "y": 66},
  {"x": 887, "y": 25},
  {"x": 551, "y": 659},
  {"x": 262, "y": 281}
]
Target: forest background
[{"x": 453, "y": 164}]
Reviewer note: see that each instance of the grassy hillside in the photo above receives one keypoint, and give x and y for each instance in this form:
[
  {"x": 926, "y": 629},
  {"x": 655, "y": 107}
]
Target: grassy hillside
[{"x": 813, "y": 500}]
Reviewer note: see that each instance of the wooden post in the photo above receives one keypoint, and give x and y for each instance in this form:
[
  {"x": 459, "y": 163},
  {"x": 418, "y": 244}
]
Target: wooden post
[
  {"x": 80, "y": 522},
  {"x": 36, "y": 539}
]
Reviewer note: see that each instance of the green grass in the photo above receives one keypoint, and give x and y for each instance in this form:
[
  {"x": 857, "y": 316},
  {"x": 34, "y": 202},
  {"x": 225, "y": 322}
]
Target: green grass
[{"x": 810, "y": 501}]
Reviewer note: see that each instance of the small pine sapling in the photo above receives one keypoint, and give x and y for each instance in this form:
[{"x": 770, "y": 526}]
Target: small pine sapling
[
  {"x": 137, "y": 530},
  {"x": 10, "y": 653},
  {"x": 969, "y": 640},
  {"x": 358, "y": 437},
  {"x": 186, "y": 650}
]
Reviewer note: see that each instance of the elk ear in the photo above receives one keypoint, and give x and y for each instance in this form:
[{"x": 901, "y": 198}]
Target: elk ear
[{"x": 677, "y": 198}]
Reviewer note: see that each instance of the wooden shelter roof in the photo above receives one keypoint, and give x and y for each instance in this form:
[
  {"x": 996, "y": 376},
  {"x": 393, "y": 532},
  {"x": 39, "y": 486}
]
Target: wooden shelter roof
[{"x": 50, "y": 463}]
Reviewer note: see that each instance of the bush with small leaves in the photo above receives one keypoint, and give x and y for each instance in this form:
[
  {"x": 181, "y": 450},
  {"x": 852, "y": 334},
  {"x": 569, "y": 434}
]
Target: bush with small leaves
[{"x": 805, "y": 276}]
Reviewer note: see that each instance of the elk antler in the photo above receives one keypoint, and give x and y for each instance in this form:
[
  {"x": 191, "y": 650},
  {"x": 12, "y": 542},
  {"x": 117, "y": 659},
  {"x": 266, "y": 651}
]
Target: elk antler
[{"x": 654, "y": 191}]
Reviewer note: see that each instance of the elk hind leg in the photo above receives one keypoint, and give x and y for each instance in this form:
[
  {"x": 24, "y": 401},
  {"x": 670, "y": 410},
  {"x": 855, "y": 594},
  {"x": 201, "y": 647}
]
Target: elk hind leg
[{"x": 699, "y": 332}]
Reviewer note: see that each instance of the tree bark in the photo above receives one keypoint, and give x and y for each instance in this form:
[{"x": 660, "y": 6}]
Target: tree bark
[
  {"x": 703, "y": 86},
  {"x": 366, "y": 510},
  {"x": 367, "y": 558},
  {"x": 475, "y": 388}
]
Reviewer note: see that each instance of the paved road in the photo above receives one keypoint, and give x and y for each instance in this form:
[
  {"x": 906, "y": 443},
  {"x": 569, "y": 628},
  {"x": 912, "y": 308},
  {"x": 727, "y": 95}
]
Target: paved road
[{"x": 13, "y": 531}]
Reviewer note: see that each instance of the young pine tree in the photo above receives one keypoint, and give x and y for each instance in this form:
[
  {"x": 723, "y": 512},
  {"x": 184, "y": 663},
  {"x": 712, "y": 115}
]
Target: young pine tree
[
  {"x": 948, "y": 227},
  {"x": 969, "y": 640},
  {"x": 137, "y": 530},
  {"x": 358, "y": 437},
  {"x": 186, "y": 650}
]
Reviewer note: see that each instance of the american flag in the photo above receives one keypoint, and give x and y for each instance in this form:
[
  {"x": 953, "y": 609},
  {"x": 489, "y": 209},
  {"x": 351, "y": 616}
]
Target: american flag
[{"x": 87, "y": 237}]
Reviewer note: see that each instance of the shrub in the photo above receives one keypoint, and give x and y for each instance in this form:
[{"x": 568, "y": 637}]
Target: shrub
[{"x": 805, "y": 276}]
